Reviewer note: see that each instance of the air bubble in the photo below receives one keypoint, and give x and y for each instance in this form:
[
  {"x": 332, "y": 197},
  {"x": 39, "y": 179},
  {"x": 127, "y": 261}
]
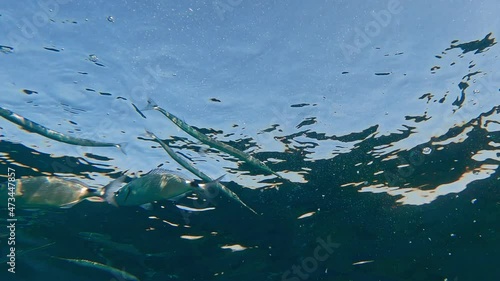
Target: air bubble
[
  {"x": 111, "y": 19},
  {"x": 426, "y": 150}
]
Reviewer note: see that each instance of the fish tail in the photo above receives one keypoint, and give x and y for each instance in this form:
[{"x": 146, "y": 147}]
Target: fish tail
[
  {"x": 213, "y": 183},
  {"x": 122, "y": 146},
  {"x": 110, "y": 190},
  {"x": 151, "y": 105}
]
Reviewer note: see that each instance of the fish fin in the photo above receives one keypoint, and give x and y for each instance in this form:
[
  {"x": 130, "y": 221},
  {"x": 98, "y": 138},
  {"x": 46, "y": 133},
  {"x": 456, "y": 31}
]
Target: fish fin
[
  {"x": 209, "y": 184},
  {"x": 160, "y": 255},
  {"x": 69, "y": 205},
  {"x": 147, "y": 206},
  {"x": 122, "y": 146},
  {"x": 178, "y": 197},
  {"x": 111, "y": 189},
  {"x": 151, "y": 105}
]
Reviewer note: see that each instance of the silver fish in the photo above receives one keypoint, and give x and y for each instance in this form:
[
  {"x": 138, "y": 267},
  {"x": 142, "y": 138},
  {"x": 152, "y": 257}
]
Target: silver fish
[
  {"x": 49, "y": 192},
  {"x": 197, "y": 172},
  {"x": 120, "y": 274},
  {"x": 51, "y": 134},
  {"x": 158, "y": 184}
]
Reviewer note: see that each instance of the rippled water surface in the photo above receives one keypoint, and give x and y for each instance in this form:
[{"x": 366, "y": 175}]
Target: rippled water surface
[{"x": 381, "y": 117}]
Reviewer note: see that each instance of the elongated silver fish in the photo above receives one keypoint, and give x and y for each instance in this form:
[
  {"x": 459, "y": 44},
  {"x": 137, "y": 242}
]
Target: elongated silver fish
[
  {"x": 105, "y": 242},
  {"x": 158, "y": 184},
  {"x": 39, "y": 192},
  {"x": 117, "y": 273},
  {"x": 179, "y": 159},
  {"x": 51, "y": 134},
  {"x": 212, "y": 142}
]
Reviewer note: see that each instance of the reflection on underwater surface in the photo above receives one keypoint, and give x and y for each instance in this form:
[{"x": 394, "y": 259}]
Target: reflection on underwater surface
[{"x": 404, "y": 189}]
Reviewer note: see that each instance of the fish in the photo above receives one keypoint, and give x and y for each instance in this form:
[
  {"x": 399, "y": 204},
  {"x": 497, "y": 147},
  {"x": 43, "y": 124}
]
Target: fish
[
  {"x": 119, "y": 274},
  {"x": 34, "y": 127},
  {"x": 104, "y": 241},
  {"x": 49, "y": 192},
  {"x": 196, "y": 171},
  {"x": 243, "y": 156},
  {"x": 158, "y": 184}
]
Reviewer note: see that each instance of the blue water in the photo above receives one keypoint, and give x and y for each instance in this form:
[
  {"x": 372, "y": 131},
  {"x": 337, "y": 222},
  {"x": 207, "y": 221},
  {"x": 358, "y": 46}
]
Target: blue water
[{"x": 384, "y": 115}]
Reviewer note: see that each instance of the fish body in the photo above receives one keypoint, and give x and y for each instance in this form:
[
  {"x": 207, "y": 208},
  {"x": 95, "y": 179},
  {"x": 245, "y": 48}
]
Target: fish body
[
  {"x": 158, "y": 184},
  {"x": 197, "y": 172},
  {"x": 51, "y": 134},
  {"x": 212, "y": 142},
  {"x": 47, "y": 192}
]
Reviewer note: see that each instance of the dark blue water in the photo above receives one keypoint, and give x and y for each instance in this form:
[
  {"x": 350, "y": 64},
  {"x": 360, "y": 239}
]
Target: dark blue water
[{"x": 383, "y": 119}]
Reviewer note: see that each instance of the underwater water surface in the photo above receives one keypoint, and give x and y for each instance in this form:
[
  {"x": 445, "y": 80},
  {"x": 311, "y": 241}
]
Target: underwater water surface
[{"x": 381, "y": 119}]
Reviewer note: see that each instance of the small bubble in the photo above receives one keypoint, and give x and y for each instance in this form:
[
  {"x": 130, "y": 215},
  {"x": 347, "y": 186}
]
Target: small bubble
[
  {"x": 426, "y": 150},
  {"x": 93, "y": 58},
  {"x": 476, "y": 91},
  {"x": 111, "y": 19},
  {"x": 473, "y": 200}
]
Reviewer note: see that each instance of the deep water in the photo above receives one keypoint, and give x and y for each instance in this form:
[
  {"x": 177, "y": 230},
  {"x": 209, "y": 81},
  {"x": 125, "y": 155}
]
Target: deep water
[{"x": 389, "y": 154}]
